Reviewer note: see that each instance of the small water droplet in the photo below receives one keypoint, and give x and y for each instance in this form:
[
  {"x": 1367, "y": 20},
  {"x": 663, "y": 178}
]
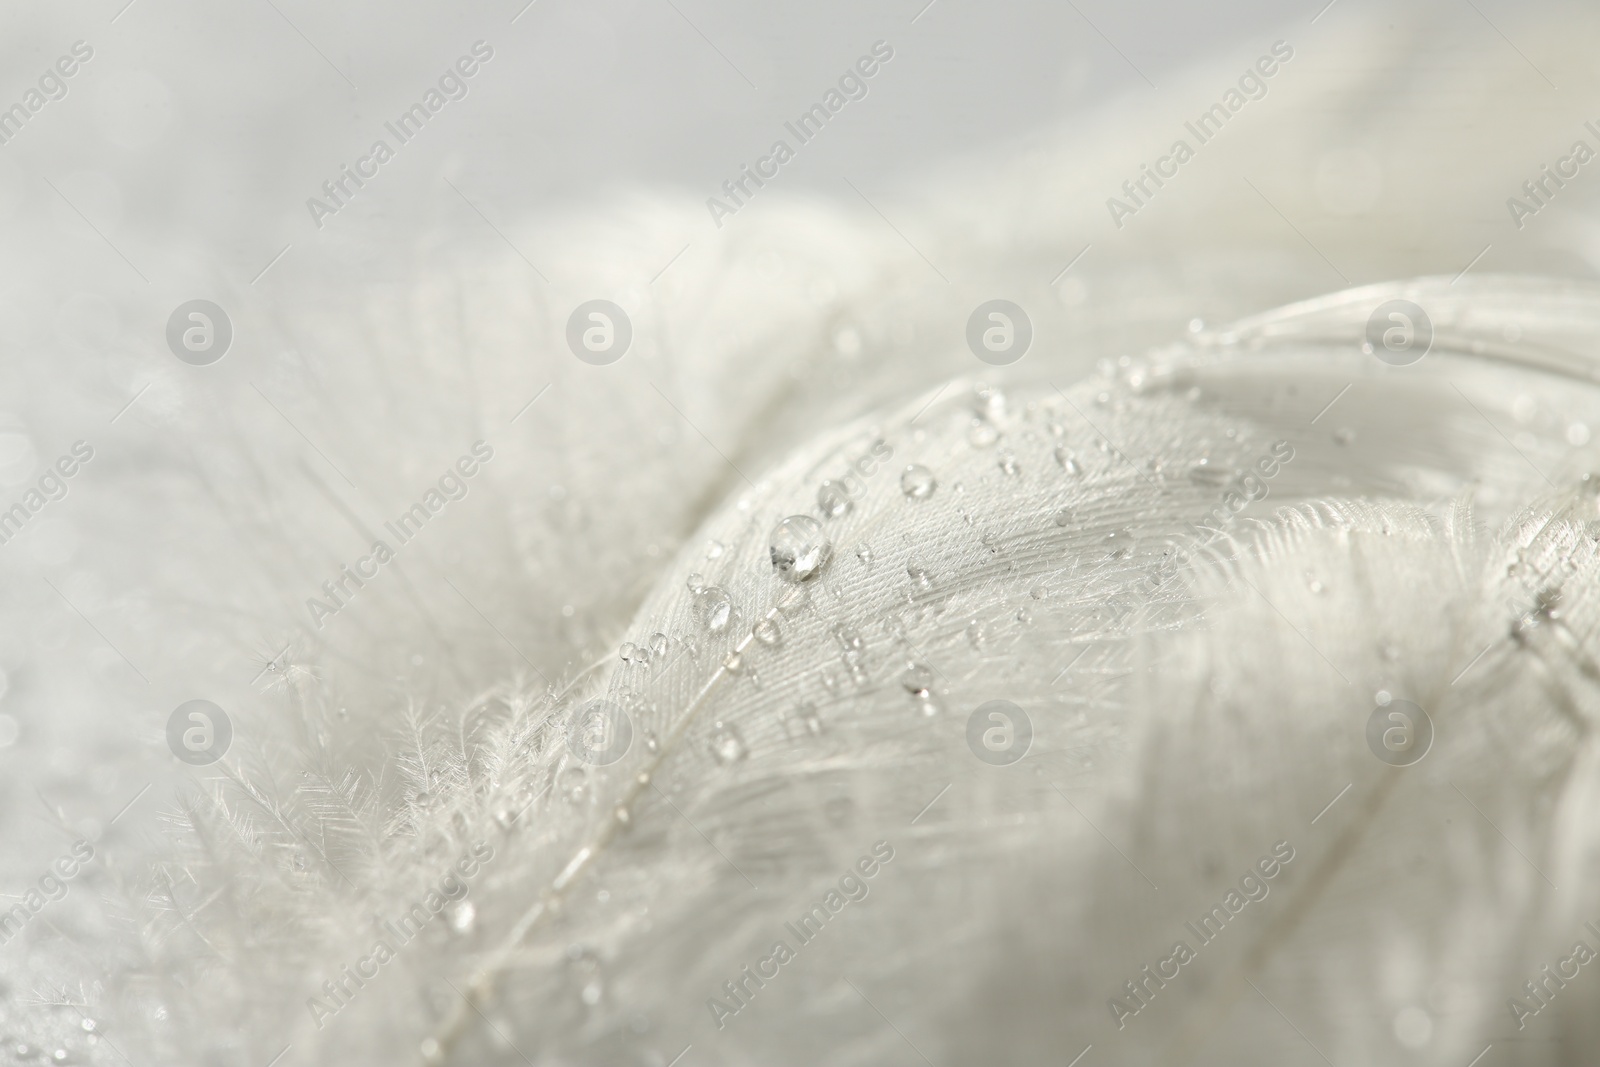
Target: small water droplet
[
  {"x": 715, "y": 608},
  {"x": 463, "y": 916},
  {"x": 809, "y": 720},
  {"x": 1315, "y": 585},
  {"x": 864, "y": 554},
  {"x": 1024, "y": 616},
  {"x": 917, "y": 482},
  {"x": 89, "y": 1026},
  {"x": 917, "y": 678},
  {"x": 583, "y": 971},
  {"x": 798, "y": 548},
  {"x": 1063, "y": 516},
  {"x": 1118, "y": 543},
  {"x": 726, "y": 744},
  {"x": 767, "y": 632},
  {"x": 975, "y": 634},
  {"x": 981, "y": 434},
  {"x": 714, "y": 549},
  {"x": 1037, "y": 592},
  {"x": 833, "y": 500},
  {"x": 919, "y": 575},
  {"x": 574, "y": 784},
  {"x": 1068, "y": 460},
  {"x": 658, "y": 644},
  {"x": 732, "y": 662},
  {"x": 696, "y": 581},
  {"x": 1343, "y": 435},
  {"x": 624, "y": 817},
  {"x": 652, "y": 743},
  {"x": 849, "y": 639},
  {"x": 989, "y": 402},
  {"x": 1008, "y": 464},
  {"x": 59, "y": 1055}
]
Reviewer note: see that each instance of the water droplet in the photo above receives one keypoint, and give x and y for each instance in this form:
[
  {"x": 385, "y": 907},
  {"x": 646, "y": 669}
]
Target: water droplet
[
  {"x": 917, "y": 482},
  {"x": 624, "y": 817},
  {"x": 715, "y": 608},
  {"x": 864, "y": 554},
  {"x": 652, "y": 743},
  {"x": 1118, "y": 543},
  {"x": 917, "y": 678},
  {"x": 1204, "y": 472},
  {"x": 59, "y": 1055},
  {"x": 89, "y": 1026},
  {"x": 463, "y": 916},
  {"x": 658, "y": 644},
  {"x": 430, "y": 1050},
  {"x": 732, "y": 662},
  {"x": 975, "y": 634},
  {"x": 849, "y": 639},
  {"x": 1577, "y": 434},
  {"x": 1063, "y": 516},
  {"x": 1068, "y": 460},
  {"x": 726, "y": 744},
  {"x": 833, "y": 500},
  {"x": 1008, "y": 464},
  {"x": 798, "y": 548},
  {"x": 714, "y": 549},
  {"x": 989, "y": 403},
  {"x": 1024, "y": 616},
  {"x": 1315, "y": 585},
  {"x": 696, "y": 581},
  {"x": 809, "y": 719},
  {"x": 1343, "y": 435},
  {"x": 574, "y": 784},
  {"x": 919, "y": 575},
  {"x": 583, "y": 971},
  {"x": 767, "y": 632},
  {"x": 632, "y": 653},
  {"x": 1037, "y": 592},
  {"x": 981, "y": 434}
]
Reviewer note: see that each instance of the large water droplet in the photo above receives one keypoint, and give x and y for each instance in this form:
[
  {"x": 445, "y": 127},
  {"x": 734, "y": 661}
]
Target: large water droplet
[
  {"x": 798, "y": 548},
  {"x": 714, "y": 607},
  {"x": 726, "y": 744},
  {"x": 917, "y": 482}
]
